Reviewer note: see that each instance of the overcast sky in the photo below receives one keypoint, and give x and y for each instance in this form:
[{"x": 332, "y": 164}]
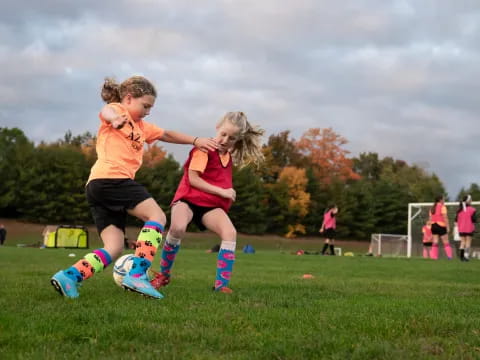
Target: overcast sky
[{"x": 400, "y": 78}]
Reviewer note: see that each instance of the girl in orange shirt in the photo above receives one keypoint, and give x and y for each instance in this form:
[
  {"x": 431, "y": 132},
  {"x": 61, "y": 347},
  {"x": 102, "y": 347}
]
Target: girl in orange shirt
[{"x": 112, "y": 191}]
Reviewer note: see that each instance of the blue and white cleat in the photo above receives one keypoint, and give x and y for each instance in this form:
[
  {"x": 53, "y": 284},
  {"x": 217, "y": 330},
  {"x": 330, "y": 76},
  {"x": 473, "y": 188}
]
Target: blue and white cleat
[
  {"x": 140, "y": 285},
  {"x": 65, "y": 285}
]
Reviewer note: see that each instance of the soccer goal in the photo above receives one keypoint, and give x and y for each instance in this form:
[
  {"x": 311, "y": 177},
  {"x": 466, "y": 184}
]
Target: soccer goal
[
  {"x": 390, "y": 245},
  {"x": 65, "y": 236},
  {"x": 418, "y": 215}
]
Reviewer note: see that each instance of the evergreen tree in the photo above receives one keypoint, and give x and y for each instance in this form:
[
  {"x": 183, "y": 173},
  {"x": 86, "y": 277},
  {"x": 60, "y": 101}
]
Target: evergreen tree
[
  {"x": 248, "y": 212},
  {"x": 15, "y": 150}
]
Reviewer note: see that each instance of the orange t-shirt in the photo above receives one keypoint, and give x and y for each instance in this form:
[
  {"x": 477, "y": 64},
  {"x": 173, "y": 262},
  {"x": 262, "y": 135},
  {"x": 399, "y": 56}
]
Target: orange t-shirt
[{"x": 120, "y": 151}]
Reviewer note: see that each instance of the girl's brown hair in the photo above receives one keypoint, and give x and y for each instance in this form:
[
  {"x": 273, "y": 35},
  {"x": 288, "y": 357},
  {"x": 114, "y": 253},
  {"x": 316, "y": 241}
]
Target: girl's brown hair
[{"x": 137, "y": 86}]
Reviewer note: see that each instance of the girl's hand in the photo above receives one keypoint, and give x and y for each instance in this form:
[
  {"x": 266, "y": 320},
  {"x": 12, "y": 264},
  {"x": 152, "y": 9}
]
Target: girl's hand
[
  {"x": 119, "y": 121},
  {"x": 205, "y": 144},
  {"x": 228, "y": 194}
]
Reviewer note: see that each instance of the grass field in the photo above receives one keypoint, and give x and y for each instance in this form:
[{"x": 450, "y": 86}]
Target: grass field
[{"x": 354, "y": 308}]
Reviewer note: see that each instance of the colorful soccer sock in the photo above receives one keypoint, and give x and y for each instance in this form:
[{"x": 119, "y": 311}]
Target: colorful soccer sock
[
  {"x": 425, "y": 252},
  {"x": 325, "y": 247},
  {"x": 148, "y": 241},
  {"x": 169, "y": 252},
  {"x": 332, "y": 249},
  {"x": 448, "y": 250},
  {"x": 434, "y": 252},
  {"x": 226, "y": 258},
  {"x": 91, "y": 264}
]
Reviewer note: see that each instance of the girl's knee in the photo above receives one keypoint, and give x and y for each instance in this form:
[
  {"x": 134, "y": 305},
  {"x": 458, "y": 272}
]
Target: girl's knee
[
  {"x": 177, "y": 230},
  {"x": 229, "y": 234},
  {"x": 158, "y": 217}
]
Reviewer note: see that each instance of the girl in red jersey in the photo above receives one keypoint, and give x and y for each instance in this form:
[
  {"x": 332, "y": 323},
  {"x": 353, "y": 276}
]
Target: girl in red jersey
[
  {"x": 328, "y": 228},
  {"x": 112, "y": 191},
  {"x": 427, "y": 239},
  {"x": 440, "y": 227},
  {"x": 205, "y": 194},
  {"x": 465, "y": 220}
]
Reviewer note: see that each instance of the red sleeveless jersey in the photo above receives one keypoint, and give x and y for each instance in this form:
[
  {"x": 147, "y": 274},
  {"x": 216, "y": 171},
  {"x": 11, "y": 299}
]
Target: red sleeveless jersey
[{"x": 216, "y": 174}]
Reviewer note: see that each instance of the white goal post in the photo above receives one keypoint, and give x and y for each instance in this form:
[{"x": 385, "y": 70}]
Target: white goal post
[
  {"x": 390, "y": 245},
  {"x": 415, "y": 210}
]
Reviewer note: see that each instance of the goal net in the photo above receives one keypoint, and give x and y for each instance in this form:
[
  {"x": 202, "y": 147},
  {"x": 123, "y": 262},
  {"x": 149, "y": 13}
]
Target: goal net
[
  {"x": 65, "y": 236},
  {"x": 390, "y": 245},
  {"x": 418, "y": 215}
]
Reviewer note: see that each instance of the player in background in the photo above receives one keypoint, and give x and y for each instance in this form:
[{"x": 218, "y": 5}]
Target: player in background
[
  {"x": 440, "y": 227},
  {"x": 328, "y": 228},
  {"x": 465, "y": 220},
  {"x": 427, "y": 239},
  {"x": 112, "y": 191},
  {"x": 205, "y": 194}
]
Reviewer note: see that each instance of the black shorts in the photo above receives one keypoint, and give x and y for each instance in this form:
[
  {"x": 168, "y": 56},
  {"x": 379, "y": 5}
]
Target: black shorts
[
  {"x": 465, "y": 234},
  {"x": 109, "y": 200},
  {"x": 330, "y": 233},
  {"x": 198, "y": 212},
  {"x": 427, "y": 244},
  {"x": 438, "y": 230}
]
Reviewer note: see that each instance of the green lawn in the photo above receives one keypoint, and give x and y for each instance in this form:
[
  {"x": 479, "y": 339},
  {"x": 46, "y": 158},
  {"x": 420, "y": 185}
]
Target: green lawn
[{"x": 353, "y": 308}]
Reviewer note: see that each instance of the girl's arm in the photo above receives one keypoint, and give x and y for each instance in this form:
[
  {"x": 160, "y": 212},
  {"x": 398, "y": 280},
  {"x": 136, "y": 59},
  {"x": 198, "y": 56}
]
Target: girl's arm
[
  {"x": 204, "y": 144},
  {"x": 322, "y": 227},
  {"x": 197, "y": 182}
]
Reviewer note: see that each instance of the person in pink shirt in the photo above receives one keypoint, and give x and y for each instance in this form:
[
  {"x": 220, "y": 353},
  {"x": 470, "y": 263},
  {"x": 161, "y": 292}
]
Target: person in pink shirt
[
  {"x": 465, "y": 221},
  {"x": 440, "y": 227},
  {"x": 328, "y": 228},
  {"x": 427, "y": 239}
]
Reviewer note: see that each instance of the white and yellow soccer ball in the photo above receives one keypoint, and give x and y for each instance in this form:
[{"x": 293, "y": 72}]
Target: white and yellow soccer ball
[{"x": 122, "y": 267}]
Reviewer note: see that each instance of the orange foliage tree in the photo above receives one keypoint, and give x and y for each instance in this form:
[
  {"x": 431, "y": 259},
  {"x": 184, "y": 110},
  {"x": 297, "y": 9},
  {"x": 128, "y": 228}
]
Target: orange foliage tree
[
  {"x": 88, "y": 148},
  {"x": 153, "y": 155},
  {"x": 299, "y": 201},
  {"x": 324, "y": 149}
]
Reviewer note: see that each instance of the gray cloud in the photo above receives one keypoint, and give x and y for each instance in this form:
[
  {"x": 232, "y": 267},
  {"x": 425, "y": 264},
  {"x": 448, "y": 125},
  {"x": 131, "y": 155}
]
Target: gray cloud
[{"x": 396, "y": 77}]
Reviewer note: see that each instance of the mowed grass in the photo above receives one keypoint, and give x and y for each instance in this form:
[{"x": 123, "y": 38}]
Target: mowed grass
[{"x": 353, "y": 308}]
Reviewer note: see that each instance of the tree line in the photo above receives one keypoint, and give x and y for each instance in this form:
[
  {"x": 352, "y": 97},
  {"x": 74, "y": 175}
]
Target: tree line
[{"x": 287, "y": 195}]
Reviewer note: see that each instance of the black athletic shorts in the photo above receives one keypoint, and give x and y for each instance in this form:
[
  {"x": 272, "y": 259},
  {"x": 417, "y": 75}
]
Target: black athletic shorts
[
  {"x": 198, "y": 212},
  {"x": 465, "y": 234},
  {"x": 109, "y": 200},
  {"x": 427, "y": 244},
  {"x": 330, "y": 233},
  {"x": 438, "y": 230}
]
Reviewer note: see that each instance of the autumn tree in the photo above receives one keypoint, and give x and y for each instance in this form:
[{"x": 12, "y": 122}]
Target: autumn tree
[
  {"x": 325, "y": 151},
  {"x": 153, "y": 155},
  {"x": 299, "y": 199}
]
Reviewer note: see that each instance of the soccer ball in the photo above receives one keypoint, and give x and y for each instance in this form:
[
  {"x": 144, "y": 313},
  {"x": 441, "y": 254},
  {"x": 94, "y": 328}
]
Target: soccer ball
[{"x": 123, "y": 266}]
